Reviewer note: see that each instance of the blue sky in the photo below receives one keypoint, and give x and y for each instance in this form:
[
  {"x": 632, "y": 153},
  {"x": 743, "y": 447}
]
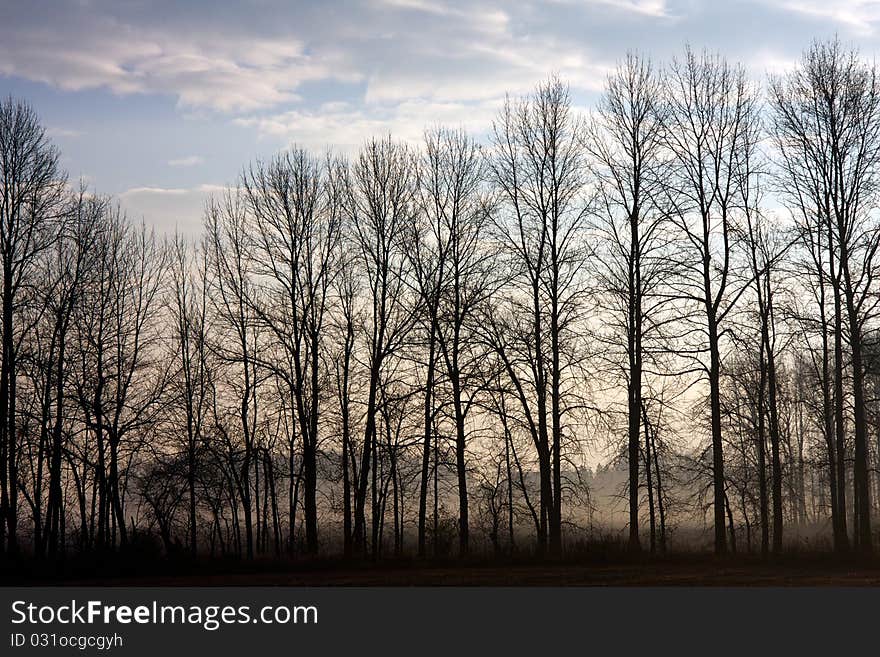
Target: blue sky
[{"x": 161, "y": 103}]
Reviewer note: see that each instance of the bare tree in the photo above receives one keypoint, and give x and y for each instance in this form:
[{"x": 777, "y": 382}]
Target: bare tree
[
  {"x": 625, "y": 142},
  {"x": 296, "y": 215},
  {"x": 189, "y": 310},
  {"x": 827, "y": 129},
  {"x": 453, "y": 278},
  {"x": 710, "y": 126},
  {"x": 31, "y": 200},
  {"x": 538, "y": 169},
  {"x": 235, "y": 342},
  {"x": 121, "y": 377},
  {"x": 346, "y": 321},
  {"x": 46, "y": 362},
  {"x": 380, "y": 205}
]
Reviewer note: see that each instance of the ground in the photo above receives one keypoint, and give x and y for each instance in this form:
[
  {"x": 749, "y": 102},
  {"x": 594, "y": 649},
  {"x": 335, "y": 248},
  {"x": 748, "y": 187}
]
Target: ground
[{"x": 610, "y": 570}]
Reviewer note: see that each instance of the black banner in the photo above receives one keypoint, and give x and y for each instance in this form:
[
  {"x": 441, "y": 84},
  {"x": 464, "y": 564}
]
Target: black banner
[{"x": 454, "y": 621}]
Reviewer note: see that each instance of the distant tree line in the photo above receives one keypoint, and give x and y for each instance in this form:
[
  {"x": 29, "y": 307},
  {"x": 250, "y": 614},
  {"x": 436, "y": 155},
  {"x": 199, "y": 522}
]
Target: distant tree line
[{"x": 422, "y": 344}]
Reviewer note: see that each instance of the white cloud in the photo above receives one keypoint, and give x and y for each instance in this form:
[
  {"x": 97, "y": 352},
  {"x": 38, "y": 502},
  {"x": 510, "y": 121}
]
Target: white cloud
[
  {"x": 346, "y": 127},
  {"x": 859, "y": 15},
  {"x": 656, "y": 8},
  {"x": 158, "y": 191},
  {"x": 486, "y": 20},
  {"x": 442, "y": 51},
  {"x": 646, "y": 7},
  {"x": 769, "y": 61},
  {"x": 64, "y": 133},
  {"x": 189, "y": 161},
  {"x": 169, "y": 209},
  {"x": 227, "y": 71}
]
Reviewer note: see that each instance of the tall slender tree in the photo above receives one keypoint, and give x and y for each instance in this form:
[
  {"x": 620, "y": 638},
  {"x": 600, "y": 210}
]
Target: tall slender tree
[
  {"x": 380, "y": 204},
  {"x": 710, "y": 126},
  {"x": 32, "y": 198},
  {"x": 538, "y": 169},
  {"x": 625, "y": 143}
]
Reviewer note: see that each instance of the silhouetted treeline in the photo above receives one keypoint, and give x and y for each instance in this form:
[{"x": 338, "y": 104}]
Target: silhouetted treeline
[{"x": 427, "y": 346}]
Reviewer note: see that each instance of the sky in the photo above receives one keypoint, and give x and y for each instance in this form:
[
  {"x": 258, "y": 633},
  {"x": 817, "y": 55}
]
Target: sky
[{"x": 161, "y": 103}]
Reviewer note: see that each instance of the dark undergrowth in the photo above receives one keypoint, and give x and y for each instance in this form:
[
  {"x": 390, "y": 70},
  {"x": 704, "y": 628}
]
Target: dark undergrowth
[{"x": 604, "y": 562}]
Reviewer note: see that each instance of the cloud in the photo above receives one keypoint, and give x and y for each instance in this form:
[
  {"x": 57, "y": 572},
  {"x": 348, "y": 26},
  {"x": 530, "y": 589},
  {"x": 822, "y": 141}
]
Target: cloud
[
  {"x": 169, "y": 209},
  {"x": 222, "y": 67},
  {"x": 860, "y": 15},
  {"x": 345, "y": 127},
  {"x": 63, "y": 133},
  {"x": 646, "y": 7},
  {"x": 244, "y": 63},
  {"x": 655, "y": 8},
  {"x": 189, "y": 161},
  {"x": 158, "y": 191},
  {"x": 258, "y": 57}
]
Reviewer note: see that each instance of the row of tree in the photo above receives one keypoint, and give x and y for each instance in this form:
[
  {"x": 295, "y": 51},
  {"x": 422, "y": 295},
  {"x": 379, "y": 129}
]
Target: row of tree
[{"x": 683, "y": 279}]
